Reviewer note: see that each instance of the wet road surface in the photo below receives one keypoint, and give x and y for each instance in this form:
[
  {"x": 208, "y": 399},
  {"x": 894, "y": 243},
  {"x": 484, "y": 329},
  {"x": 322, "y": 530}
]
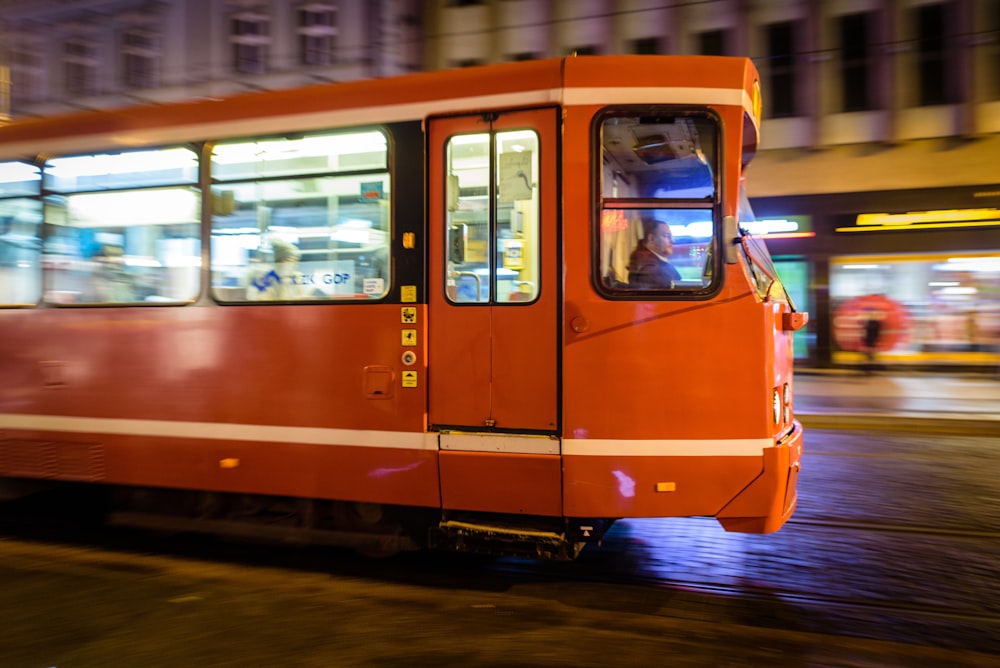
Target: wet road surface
[{"x": 892, "y": 559}]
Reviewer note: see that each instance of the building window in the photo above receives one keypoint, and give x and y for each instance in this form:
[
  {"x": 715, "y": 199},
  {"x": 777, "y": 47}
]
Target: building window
[
  {"x": 781, "y": 69},
  {"x": 250, "y": 37},
  {"x": 712, "y": 43},
  {"x": 317, "y": 30},
  {"x": 933, "y": 86},
  {"x": 81, "y": 63},
  {"x": 141, "y": 53},
  {"x": 646, "y": 45},
  {"x": 856, "y": 64},
  {"x": 583, "y": 51},
  {"x": 26, "y": 71},
  {"x": 523, "y": 56}
]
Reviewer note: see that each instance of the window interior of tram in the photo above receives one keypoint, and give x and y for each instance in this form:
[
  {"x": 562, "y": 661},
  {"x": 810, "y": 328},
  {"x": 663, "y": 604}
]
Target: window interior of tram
[
  {"x": 658, "y": 195},
  {"x": 122, "y": 227},
  {"x": 301, "y": 218},
  {"x": 20, "y": 234},
  {"x": 507, "y": 222}
]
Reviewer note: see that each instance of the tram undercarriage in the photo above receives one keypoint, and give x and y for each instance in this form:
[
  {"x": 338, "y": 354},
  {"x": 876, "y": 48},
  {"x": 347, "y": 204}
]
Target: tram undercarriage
[{"x": 371, "y": 529}]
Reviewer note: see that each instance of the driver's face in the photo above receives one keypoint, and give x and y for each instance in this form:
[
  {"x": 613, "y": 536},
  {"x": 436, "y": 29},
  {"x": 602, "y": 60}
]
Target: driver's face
[{"x": 661, "y": 241}]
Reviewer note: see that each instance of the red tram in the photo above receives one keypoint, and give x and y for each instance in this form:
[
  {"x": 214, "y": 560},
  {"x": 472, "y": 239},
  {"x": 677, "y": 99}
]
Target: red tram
[{"x": 489, "y": 309}]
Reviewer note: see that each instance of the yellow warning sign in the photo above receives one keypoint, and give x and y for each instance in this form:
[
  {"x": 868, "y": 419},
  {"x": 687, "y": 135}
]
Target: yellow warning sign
[
  {"x": 409, "y": 337},
  {"x": 409, "y": 378},
  {"x": 407, "y": 293},
  {"x": 408, "y": 315}
]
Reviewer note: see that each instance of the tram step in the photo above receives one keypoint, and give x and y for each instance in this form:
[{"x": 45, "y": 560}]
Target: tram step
[{"x": 504, "y": 539}]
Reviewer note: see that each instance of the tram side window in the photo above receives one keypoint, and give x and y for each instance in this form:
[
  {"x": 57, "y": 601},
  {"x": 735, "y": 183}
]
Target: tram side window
[
  {"x": 302, "y": 218},
  {"x": 657, "y": 207},
  {"x": 122, "y": 228},
  {"x": 20, "y": 234}
]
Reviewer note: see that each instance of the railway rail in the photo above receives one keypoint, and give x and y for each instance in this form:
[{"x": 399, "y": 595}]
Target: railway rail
[{"x": 607, "y": 578}]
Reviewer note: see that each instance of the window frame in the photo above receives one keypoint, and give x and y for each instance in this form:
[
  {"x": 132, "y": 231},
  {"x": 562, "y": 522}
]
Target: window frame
[
  {"x": 251, "y": 49},
  {"x": 48, "y": 193},
  {"x": 714, "y": 205},
  {"x": 857, "y": 66},
  {"x": 81, "y": 61},
  {"x": 36, "y": 197},
  {"x": 492, "y": 224},
  {"x": 387, "y": 172},
  {"x": 141, "y": 56},
  {"x": 317, "y": 40},
  {"x": 783, "y": 72}
]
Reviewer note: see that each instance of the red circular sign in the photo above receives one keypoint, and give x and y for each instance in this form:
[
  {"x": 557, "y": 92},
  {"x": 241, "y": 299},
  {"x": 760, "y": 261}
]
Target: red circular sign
[{"x": 870, "y": 322}]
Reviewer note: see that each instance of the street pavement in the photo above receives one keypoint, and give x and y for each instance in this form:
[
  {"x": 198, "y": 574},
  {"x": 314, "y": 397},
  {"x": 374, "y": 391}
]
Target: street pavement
[{"x": 927, "y": 401}]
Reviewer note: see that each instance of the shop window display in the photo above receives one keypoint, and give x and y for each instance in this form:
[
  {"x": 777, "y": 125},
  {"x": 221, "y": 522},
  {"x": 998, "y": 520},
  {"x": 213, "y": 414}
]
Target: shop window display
[{"x": 931, "y": 309}]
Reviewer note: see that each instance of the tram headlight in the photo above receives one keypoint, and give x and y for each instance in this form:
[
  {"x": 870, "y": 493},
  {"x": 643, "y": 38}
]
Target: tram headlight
[
  {"x": 776, "y": 405},
  {"x": 786, "y": 402}
]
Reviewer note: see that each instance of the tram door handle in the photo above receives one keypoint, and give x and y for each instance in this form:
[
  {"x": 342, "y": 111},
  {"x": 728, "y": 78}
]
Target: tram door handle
[{"x": 479, "y": 283}]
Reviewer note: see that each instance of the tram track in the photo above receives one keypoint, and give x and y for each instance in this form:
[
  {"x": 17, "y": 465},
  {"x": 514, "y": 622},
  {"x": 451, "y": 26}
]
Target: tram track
[
  {"x": 827, "y": 602},
  {"x": 847, "y": 607},
  {"x": 887, "y": 527},
  {"x": 681, "y": 598},
  {"x": 685, "y": 596}
]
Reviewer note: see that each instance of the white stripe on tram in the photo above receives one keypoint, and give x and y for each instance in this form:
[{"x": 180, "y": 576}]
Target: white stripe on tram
[
  {"x": 708, "y": 447},
  {"x": 404, "y": 440}
]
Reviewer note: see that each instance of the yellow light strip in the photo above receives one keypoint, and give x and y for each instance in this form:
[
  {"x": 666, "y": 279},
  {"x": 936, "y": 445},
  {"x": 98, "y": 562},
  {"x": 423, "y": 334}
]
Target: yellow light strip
[
  {"x": 909, "y": 257},
  {"x": 921, "y": 217},
  {"x": 905, "y": 227},
  {"x": 787, "y": 235}
]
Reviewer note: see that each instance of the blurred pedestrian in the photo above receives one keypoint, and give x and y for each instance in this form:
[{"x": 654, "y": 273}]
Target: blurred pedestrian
[
  {"x": 873, "y": 334},
  {"x": 113, "y": 283}
]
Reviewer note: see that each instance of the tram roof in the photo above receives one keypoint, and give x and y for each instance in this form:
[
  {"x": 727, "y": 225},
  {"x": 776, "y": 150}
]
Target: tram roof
[{"x": 586, "y": 80}]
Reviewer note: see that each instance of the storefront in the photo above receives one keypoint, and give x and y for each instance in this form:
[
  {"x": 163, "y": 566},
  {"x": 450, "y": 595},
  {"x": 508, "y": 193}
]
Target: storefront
[
  {"x": 938, "y": 308},
  {"x": 915, "y": 289}
]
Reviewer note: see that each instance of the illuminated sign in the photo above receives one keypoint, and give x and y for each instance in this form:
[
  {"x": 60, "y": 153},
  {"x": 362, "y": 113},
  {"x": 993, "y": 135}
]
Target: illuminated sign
[
  {"x": 922, "y": 220},
  {"x": 757, "y": 104},
  {"x": 789, "y": 227}
]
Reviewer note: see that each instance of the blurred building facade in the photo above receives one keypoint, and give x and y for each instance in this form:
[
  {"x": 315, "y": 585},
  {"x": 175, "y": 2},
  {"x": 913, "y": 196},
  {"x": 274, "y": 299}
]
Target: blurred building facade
[
  {"x": 871, "y": 107},
  {"x": 71, "y": 54}
]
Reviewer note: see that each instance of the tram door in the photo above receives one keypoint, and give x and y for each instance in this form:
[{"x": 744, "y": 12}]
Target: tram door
[{"x": 493, "y": 294}]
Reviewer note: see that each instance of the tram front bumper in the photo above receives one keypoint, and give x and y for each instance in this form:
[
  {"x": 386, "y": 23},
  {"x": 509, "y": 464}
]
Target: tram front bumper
[{"x": 766, "y": 504}]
